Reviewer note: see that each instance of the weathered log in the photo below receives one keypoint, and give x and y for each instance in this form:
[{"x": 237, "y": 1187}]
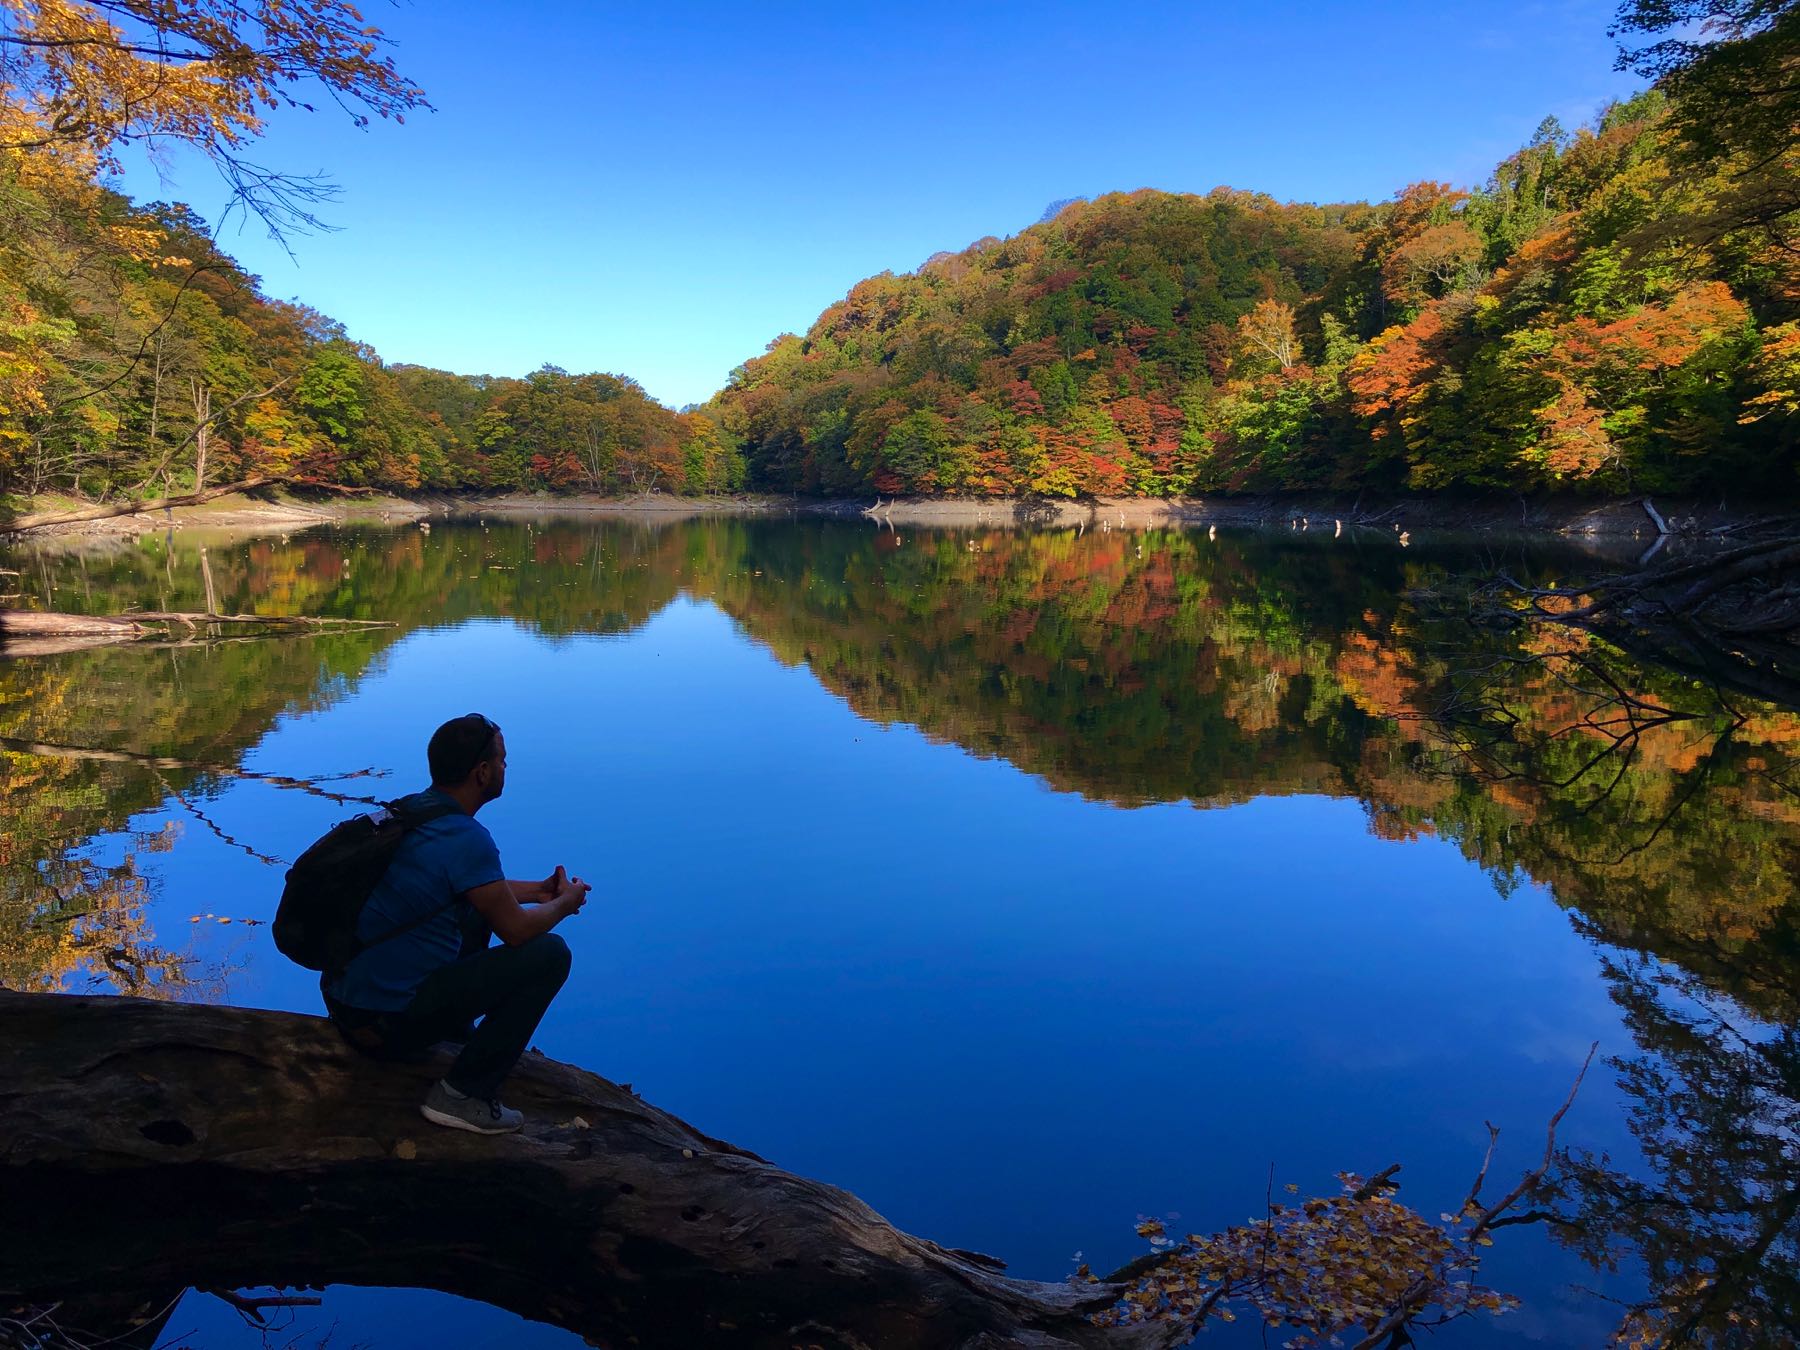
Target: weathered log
[
  {"x": 159, "y": 1145},
  {"x": 36, "y": 623},
  {"x": 1730, "y": 618}
]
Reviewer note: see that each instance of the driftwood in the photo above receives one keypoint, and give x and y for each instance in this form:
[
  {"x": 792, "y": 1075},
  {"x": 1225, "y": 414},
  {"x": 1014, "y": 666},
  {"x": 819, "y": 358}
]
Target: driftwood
[
  {"x": 111, "y": 510},
  {"x": 155, "y": 1146}
]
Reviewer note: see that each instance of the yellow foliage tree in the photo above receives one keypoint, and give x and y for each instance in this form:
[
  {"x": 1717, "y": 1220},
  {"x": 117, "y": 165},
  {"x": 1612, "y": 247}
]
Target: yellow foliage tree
[{"x": 81, "y": 80}]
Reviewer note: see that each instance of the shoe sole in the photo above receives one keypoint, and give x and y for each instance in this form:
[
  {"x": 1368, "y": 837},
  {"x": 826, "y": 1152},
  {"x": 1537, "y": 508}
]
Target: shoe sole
[{"x": 437, "y": 1117}]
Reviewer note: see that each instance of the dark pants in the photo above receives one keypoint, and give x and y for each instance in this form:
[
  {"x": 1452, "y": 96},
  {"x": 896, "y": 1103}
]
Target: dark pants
[{"x": 508, "y": 988}]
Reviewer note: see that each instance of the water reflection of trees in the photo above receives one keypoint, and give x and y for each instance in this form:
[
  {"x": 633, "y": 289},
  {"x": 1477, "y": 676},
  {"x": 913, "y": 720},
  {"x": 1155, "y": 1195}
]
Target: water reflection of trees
[
  {"x": 1715, "y": 1109},
  {"x": 90, "y": 739},
  {"x": 1698, "y": 947},
  {"x": 1159, "y": 666}
]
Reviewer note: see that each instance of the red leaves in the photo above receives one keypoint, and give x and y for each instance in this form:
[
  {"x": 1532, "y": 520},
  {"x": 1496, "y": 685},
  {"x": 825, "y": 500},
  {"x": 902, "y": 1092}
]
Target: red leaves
[
  {"x": 1391, "y": 374},
  {"x": 1656, "y": 337}
]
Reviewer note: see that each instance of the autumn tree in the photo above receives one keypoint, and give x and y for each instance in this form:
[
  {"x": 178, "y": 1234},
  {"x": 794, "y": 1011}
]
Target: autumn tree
[
  {"x": 1730, "y": 65},
  {"x": 1430, "y": 263},
  {"x": 1266, "y": 333},
  {"x": 82, "y": 81}
]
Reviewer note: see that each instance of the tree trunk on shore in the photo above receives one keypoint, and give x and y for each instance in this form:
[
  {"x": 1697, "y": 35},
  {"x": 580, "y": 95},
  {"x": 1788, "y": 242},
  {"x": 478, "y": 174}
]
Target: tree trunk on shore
[
  {"x": 110, "y": 510},
  {"x": 149, "y": 1146}
]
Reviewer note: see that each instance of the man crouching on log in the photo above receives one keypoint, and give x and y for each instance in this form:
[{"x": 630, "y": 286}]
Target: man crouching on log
[{"x": 426, "y": 972}]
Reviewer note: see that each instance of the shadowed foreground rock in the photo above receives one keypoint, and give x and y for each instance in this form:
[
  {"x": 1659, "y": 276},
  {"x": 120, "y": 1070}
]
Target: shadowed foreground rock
[{"x": 155, "y": 1146}]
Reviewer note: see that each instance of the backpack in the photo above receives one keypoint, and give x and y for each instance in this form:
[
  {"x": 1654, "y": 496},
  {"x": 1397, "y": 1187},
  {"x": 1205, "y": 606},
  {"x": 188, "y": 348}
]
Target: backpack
[{"x": 328, "y": 885}]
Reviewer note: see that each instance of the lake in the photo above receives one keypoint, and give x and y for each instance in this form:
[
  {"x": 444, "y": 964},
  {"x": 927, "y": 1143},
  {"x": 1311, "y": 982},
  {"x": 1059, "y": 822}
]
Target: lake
[{"x": 1026, "y": 884}]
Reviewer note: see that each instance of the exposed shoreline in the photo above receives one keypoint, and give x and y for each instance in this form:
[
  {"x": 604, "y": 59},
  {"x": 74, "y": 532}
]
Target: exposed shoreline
[{"x": 1618, "y": 519}]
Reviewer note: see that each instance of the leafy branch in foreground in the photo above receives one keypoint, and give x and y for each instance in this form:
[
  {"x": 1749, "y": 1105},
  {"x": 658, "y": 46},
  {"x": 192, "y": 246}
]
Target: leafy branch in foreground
[
  {"x": 1331, "y": 1266},
  {"x": 80, "y": 80}
]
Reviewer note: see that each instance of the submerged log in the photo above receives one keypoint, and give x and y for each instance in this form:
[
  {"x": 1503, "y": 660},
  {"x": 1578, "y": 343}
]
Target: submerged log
[{"x": 160, "y": 1145}]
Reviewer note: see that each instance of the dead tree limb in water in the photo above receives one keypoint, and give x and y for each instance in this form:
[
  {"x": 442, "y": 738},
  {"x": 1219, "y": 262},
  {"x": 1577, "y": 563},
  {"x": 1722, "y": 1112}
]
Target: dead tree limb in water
[
  {"x": 1731, "y": 618},
  {"x": 156, "y": 763},
  {"x": 160, "y": 1146}
]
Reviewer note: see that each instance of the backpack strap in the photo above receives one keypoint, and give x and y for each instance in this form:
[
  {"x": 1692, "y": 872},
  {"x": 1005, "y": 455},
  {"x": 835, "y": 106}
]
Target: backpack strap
[{"x": 411, "y": 817}]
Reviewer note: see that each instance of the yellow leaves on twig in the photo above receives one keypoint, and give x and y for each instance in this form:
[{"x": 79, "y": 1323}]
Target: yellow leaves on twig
[{"x": 1321, "y": 1268}]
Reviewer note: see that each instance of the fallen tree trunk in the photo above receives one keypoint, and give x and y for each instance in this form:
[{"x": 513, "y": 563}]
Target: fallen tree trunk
[
  {"x": 36, "y": 623},
  {"x": 114, "y": 509},
  {"x": 159, "y": 1145}
]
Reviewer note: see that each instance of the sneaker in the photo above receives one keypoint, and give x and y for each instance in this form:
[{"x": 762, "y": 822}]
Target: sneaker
[{"x": 444, "y": 1105}]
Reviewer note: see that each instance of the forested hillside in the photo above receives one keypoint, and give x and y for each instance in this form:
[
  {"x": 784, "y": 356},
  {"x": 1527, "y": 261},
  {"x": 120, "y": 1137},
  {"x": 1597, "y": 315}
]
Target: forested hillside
[
  {"x": 135, "y": 357},
  {"x": 1610, "y": 311},
  {"x": 1616, "y": 309}
]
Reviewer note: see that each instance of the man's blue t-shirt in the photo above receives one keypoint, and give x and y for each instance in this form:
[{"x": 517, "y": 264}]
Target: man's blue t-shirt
[{"x": 439, "y": 861}]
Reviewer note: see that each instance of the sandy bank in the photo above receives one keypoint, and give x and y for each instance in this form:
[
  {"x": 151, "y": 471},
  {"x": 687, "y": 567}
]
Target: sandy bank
[
  {"x": 1622, "y": 519},
  {"x": 261, "y": 513}
]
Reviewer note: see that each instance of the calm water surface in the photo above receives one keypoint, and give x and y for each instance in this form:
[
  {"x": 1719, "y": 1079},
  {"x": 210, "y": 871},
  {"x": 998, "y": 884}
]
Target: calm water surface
[{"x": 1023, "y": 884}]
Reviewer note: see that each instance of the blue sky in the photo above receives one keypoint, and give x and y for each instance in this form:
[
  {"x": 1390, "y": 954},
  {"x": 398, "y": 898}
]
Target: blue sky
[{"x": 659, "y": 190}]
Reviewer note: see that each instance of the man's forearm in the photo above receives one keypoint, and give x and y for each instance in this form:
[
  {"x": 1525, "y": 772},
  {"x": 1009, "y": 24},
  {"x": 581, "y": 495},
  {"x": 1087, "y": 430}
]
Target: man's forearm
[{"x": 539, "y": 918}]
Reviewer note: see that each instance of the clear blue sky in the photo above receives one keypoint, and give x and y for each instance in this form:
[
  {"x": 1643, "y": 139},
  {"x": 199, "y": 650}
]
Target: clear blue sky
[{"x": 658, "y": 190}]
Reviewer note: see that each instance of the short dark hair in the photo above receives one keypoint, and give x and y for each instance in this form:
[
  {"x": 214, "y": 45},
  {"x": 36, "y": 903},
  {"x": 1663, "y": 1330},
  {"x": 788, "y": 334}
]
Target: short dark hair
[{"x": 458, "y": 746}]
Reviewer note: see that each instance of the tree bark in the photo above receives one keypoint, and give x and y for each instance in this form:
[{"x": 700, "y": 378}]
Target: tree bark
[
  {"x": 202, "y": 430},
  {"x": 38, "y": 623},
  {"x": 149, "y": 1145}
]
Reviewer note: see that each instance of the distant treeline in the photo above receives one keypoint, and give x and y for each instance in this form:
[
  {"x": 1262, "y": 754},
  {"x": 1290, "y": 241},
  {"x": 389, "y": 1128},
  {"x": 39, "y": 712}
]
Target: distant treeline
[
  {"x": 1616, "y": 309},
  {"x": 1610, "y": 312},
  {"x": 135, "y": 357}
]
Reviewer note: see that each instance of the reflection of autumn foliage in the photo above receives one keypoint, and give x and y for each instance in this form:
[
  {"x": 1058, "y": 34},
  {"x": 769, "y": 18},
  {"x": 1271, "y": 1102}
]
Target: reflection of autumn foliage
[
  {"x": 1376, "y": 674},
  {"x": 1158, "y": 667},
  {"x": 86, "y": 921},
  {"x": 64, "y": 917},
  {"x": 1668, "y": 820},
  {"x": 1145, "y": 667},
  {"x": 1715, "y": 1215},
  {"x": 1154, "y": 666}
]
